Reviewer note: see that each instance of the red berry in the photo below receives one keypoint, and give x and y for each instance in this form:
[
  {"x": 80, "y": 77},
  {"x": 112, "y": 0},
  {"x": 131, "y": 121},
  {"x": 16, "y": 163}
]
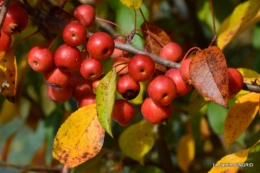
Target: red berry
[
  {"x": 155, "y": 113},
  {"x": 123, "y": 112},
  {"x": 235, "y": 82},
  {"x": 87, "y": 100},
  {"x": 74, "y": 34},
  {"x": 171, "y": 51},
  {"x": 56, "y": 78},
  {"x": 185, "y": 70},
  {"x": 91, "y": 69},
  {"x": 67, "y": 58},
  {"x": 117, "y": 53},
  {"x": 40, "y": 59},
  {"x": 141, "y": 67},
  {"x": 162, "y": 90},
  {"x": 100, "y": 45},
  {"x": 60, "y": 95},
  {"x": 5, "y": 41},
  {"x": 16, "y": 19},
  {"x": 127, "y": 87},
  {"x": 95, "y": 83},
  {"x": 121, "y": 65},
  {"x": 85, "y": 14},
  {"x": 182, "y": 87}
]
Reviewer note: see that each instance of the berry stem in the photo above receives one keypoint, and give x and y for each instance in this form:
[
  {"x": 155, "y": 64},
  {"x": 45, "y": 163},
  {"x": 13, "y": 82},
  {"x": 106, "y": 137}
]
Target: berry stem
[{"x": 112, "y": 23}]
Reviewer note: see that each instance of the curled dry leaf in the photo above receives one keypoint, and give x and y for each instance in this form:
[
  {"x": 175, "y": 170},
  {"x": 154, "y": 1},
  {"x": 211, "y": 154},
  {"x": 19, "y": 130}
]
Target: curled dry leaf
[
  {"x": 208, "y": 74},
  {"x": 79, "y": 138}
]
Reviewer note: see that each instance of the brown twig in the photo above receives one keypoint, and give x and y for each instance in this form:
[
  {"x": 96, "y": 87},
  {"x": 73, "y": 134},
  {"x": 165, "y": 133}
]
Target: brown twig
[{"x": 3, "y": 13}]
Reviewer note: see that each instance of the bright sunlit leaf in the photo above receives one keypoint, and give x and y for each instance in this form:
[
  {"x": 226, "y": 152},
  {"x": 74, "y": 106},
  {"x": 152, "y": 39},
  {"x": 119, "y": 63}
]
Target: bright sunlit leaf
[
  {"x": 244, "y": 15},
  {"x": 105, "y": 98},
  {"x": 8, "y": 75},
  {"x": 230, "y": 163},
  {"x": 135, "y": 4},
  {"x": 240, "y": 115},
  {"x": 137, "y": 140},
  {"x": 79, "y": 138},
  {"x": 249, "y": 76},
  {"x": 185, "y": 152}
]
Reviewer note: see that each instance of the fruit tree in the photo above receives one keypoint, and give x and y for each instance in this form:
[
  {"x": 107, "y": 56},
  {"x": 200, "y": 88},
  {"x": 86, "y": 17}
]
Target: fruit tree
[{"x": 129, "y": 86}]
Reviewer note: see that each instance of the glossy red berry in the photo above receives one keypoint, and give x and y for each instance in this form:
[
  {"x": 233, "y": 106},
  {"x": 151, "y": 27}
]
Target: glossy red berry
[
  {"x": 87, "y": 100},
  {"x": 162, "y": 90},
  {"x": 128, "y": 87},
  {"x": 100, "y": 46},
  {"x": 74, "y": 34},
  {"x": 123, "y": 112},
  {"x": 56, "y": 78},
  {"x": 154, "y": 112},
  {"x": 117, "y": 53},
  {"x": 141, "y": 67},
  {"x": 235, "y": 82},
  {"x": 121, "y": 65},
  {"x": 40, "y": 59},
  {"x": 60, "y": 95},
  {"x": 185, "y": 70},
  {"x": 5, "y": 41},
  {"x": 91, "y": 69},
  {"x": 85, "y": 14},
  {"x": 67, "y": 58},
  {"x": 16, "y": 19},
  {"x": 171, "y": 51}
]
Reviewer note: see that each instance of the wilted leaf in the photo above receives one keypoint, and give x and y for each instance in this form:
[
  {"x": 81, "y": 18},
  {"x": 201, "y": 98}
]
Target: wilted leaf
[
  {"x": 8, "y": 76},
  {"x": 196, "y": 102},
  {"x": 185, "y": 152},
  {"x": 105, "y": 99},
  {"x": 8, "y": 112},
  {"x": 155, "y": 38},
  {"x": 137, "y": 140},
  {"x": 208, "y": 74},
  {"x": 240, "y": 19},
  {"x": 249, "y": 76},
  {"x": 135, "y": 4},
  {"x": 79, "y": 138},
  {"x": 230, "y": 163},
  {"x": 239, "y": 117}
]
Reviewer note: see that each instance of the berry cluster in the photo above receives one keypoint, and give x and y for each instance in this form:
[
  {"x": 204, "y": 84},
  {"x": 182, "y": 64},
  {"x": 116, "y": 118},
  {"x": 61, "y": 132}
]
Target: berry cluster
[{"x": 15, "y": 21}]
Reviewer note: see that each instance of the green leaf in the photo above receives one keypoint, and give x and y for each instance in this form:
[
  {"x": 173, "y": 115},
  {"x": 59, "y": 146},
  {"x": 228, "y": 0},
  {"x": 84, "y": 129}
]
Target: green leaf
[
  {"x": 105, "y": 99},
  {"x": 253, "y": 159},
  {"x": 137, "y": 140},
  {"x": 135, "y": 4},
  {"x": 245, "y": 15}
]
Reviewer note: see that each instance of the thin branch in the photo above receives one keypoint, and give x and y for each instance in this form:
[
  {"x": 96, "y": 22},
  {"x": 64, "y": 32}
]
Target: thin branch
[
  {"x": 31, "y": 168},
  {"x": 3, "y": 13}
]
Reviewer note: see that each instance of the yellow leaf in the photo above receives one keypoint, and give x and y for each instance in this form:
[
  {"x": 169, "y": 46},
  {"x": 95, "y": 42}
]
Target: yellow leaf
[
  {"x": 8, "y": 112},
  {"x": 185, "y": 152},
  {"x": 249, "y": 76},
  {"x": 8, "y": 75},
  {"x": 242, "y": 17},
  {"x": 240, "y": 115},
  {"x": 137, "y": 140},
  {"x": 79, "y": 138},
  {"x": 231, "y": 163},
  {"x": 135, "y": 4}
]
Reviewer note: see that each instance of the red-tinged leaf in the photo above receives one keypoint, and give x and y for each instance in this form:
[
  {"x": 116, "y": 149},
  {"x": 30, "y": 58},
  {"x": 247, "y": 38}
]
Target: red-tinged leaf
[
  {"x": 7, "y": 146},
  {"x": 208, "y": 73},
  {"x": 38, "y": 158},
  {"x": 33, "y": 118},
  {"x": 155, "y": 38}
]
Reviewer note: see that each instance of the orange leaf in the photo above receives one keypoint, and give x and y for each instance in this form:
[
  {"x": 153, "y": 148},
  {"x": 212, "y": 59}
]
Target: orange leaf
[
  {"x": 79, "y": 138},
  {"x": 240, "y": 115},
  {"x": 8, "y": 75},
  {"x": 208, "y": 73}
]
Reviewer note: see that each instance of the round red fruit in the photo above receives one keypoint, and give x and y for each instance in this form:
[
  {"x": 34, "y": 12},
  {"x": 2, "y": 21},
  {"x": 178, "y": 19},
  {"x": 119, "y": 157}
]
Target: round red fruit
[
  {"x": 40, "y": 59},
  {"x": 74, "y": 34},
  {"x": 171, "y": 51},
  {"x": 56, "y": 78},
  {"x": 87, "y": 100},
  {"x": 91, "y": 69},
  {"x": 127, "y": 87},
  {"x": 100, "y": 45},
  {"x": 141, "y": 67},
  {"x": 121, "y": 65},
  {"x": 117, "y": 53},
  {"x": 60, "y": 95},
  {"x": 185, "y": 70},
  {"x": 67, "y": 58},
  {"x": 235, "y": 82},
  {"x": 155, "y": 113},
  {"x": 182, "y": 87},
  {"x": 5, "y": 40},
  {"x": 123, "y": 112},
  {"x": 162, "y": 90},
  {"x": 85, "y": 14},
  {"x": 16, "y": 19}
]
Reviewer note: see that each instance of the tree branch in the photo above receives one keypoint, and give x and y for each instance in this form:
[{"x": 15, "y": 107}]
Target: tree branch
[{"x": 3, "y": 13}]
